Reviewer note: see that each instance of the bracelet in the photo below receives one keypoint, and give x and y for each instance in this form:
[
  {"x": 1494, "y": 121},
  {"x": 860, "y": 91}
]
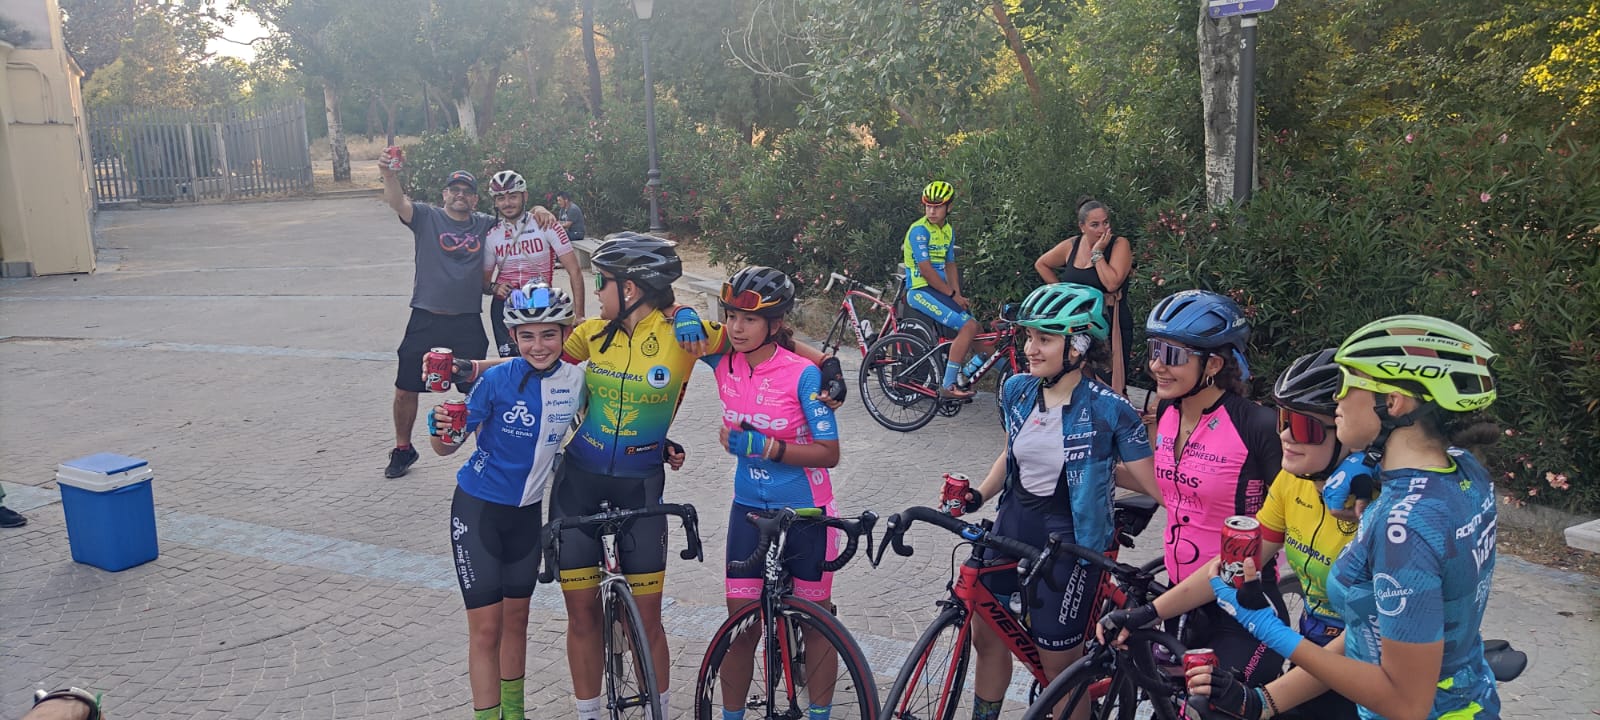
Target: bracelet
[
  {"x": 782, "y": 446},
  {"x": 1270, "y": 702},
  {"x": 1096, "y": 256}
]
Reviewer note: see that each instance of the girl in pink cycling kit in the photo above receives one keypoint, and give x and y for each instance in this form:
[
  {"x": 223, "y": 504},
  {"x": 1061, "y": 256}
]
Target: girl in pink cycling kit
[
  {"x": 1216, "y": 454},
  {"x": 784, "y": 438}
]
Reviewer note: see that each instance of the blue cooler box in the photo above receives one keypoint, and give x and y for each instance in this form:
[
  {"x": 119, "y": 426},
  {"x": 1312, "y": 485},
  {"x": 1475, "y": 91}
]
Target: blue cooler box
[{"x": 111, "y": 513}]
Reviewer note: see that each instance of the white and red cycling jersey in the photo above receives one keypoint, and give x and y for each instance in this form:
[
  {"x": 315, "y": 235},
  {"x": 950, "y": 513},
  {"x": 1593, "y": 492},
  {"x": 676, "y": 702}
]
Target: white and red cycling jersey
[{"x": 520, "y": 252}]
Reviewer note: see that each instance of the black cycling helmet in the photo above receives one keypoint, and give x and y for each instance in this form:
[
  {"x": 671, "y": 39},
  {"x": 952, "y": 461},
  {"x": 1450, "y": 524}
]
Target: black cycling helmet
[
  {"x": 1309, "y": 384},
  {"x": 758, "y": 289},
  {"x": 649, "y": 261}
]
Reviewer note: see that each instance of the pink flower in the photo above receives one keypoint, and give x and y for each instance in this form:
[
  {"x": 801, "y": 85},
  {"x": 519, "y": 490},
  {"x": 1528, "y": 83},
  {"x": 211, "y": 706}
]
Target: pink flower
[
  {"x": 1511, "y": 432},
  {"x": 1516, "y": 327},
  {"x": 1410, "y": 137},
  {"x": 1484, "y": 197},
  {"x": 1556, "y": 481},
  {"x": 1503, "y": 138}
]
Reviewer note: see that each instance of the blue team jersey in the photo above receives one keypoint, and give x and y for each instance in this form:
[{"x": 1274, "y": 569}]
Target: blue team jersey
[
  {"x": 522, "y": 418},
  {"x": 1099, "y": 429},
  {"x": 926, "y": 243},
  {"x": 1419, "y": 571}
]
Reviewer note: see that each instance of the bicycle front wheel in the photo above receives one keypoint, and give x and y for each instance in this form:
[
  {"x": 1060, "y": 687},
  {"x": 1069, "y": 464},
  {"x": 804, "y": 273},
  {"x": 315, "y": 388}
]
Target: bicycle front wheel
[
  {"x": 630, "y": 676},
  {"x": 932, "y": 681},
  {"x": 900, "y": 383},
  {"x": 1109, "y": 693},
  {"x": 810, "y": 660}
]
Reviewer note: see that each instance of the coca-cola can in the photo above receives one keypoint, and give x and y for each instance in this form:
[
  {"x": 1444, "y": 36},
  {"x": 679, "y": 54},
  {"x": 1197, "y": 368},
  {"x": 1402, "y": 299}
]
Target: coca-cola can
[
  {"x": 1241, "y": 540},
  {"x": 437, "y": 366},
  {"x": 953, "y": 498},
  {"x": 395, "y": 156},
  {"x": 1202, "y": 657},
  {"x": 456, "y": 431}
]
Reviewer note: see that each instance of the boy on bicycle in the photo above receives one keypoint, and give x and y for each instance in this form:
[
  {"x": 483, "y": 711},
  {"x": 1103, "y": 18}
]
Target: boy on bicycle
[
  {"x": 933, "y": 284},
  {"x": 521, "y": 411}
]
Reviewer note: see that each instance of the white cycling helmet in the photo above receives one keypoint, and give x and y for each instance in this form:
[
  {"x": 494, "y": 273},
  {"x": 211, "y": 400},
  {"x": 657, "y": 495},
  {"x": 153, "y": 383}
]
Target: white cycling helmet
[
  {"x": 537, "y": 303},
  {"x": 507, "y": 181}
]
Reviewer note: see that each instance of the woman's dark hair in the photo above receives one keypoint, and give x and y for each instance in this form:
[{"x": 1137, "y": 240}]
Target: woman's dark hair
[
  {"x": 658, "y": 298},
  {"x": 783, "y": 335},
  {"x": 1467, "y": 430},
  {"x": 1088, "y": 205},
  {"x": 1230, "y": 378},
  {"x": 1097, "y": 359}
]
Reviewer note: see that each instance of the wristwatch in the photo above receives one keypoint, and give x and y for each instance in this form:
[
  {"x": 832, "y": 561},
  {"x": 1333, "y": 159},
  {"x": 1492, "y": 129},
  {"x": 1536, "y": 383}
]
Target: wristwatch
[
  {"x": 73, "y": 693},
  {"x": 1096, "y": 256}
]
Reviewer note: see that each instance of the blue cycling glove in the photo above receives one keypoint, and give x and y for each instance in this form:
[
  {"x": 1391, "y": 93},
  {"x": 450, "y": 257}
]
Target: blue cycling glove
[
  {"x": 686, "y": 323},
  {"x": 1262, "y": 623},
  {"x": 749, "y": 443},
  {"x": 1354, "y": 476}
]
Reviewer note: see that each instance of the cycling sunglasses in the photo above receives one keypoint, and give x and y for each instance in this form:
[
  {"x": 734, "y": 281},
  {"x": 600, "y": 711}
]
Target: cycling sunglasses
[
  {"x": 1304, "y": 429},
  {"x": 1172, "y": 355},
  {"x": 600, "y": 282},
  {"x": 1351, "y": 380},
  {"x": 536, "y": 297},
  {"x": 746, "y": 300}
]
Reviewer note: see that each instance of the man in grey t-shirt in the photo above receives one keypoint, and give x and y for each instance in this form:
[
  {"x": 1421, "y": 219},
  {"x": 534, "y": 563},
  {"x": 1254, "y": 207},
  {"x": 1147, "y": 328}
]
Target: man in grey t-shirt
[
  {"x": 446, "y": 294},
  {"x": 571, "y": 216}
]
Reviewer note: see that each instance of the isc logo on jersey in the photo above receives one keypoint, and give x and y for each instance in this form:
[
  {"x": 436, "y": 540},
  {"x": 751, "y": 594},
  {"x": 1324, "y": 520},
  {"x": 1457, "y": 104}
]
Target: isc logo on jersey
[{"x": 761, "y": 421}]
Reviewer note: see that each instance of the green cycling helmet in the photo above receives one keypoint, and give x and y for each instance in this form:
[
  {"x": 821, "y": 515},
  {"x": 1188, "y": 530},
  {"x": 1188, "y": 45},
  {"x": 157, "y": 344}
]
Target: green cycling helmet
[
  {"x": 1066, "y": 309},
  {"x": 938, "y": 192},
  {"x": 1448, "y": 361}
]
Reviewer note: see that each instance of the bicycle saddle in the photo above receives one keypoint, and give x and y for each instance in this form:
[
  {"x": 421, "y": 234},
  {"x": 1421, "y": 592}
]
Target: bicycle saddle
[{"x": 1506, "y": 662}]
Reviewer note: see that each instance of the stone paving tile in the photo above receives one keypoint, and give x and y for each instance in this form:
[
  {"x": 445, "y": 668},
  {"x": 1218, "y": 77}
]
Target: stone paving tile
[{"x": 251, "y": 364}]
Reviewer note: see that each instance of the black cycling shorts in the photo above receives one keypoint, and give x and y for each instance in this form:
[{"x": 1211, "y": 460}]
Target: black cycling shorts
[
  {"x": 463, "y": 334},
  {"x": 806, "y": 548},
  {"x": 1060, "y": 619},
  {"x": 642, "y": 550},
  {"x": 495, "y": 549}
]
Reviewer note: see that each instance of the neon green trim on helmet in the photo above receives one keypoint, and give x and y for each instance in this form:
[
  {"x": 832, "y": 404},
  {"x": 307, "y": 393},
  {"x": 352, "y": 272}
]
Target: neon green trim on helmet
[
  {"x": 1066, "y": 309},
  {"x": 1448, "y": 361},
  {"x": 938, "y": 192}
]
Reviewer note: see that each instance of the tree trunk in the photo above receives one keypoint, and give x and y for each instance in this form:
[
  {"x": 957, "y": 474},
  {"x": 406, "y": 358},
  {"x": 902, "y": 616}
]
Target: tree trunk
[
  {"x": 390, "y": 108},
  {"x": 1015, "y": 41},
  {"x": 531, "y": 80},
  {"x": 429, "y": 124},
  {"x": 589, "y": 58},
  {"x": 1219, "y": 95},
  {"x": 340, "y": 152},
  {"x": 483, "y": 87},
  {"x": 468, "y": 117},
  {"x": 373, "y": 118}
]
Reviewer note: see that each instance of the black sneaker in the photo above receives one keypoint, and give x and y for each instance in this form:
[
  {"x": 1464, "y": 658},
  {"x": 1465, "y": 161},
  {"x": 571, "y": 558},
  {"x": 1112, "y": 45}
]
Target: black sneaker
[
  {"x": 10, "y": 518},
  {"x": 400, "y": 460}
]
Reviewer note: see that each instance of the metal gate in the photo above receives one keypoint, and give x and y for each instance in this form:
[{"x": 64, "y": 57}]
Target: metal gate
[{"x": 164, "y": 156}]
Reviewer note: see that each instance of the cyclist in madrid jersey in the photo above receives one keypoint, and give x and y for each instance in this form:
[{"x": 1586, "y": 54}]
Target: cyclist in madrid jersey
[
  {"x": 520, "y": 411},
  {"x": 785, "y": 437},
  {"x": 1065, "y": 434},
  {"x": 933, "y": 283},
  {"x": 1413, "y": 584},
  {"x": 1293, "y": 519},
  {"x": 523, "y": 247},
  {"x": 1216, "y": 452}
]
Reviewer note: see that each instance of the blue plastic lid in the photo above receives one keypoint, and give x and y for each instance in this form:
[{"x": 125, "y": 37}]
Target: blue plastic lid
[{"x": 106, "y": 463}]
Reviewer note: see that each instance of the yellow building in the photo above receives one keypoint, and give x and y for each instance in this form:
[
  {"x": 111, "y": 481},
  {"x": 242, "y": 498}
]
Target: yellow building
[{"x": 45, "y": 203}]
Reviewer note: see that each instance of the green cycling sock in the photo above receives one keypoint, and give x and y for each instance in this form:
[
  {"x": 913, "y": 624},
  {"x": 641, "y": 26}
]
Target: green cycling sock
[
  {"x": 511, "y": 702},
  {"x": 985, "y": 709},
  {"x": 486, "y": 713}
]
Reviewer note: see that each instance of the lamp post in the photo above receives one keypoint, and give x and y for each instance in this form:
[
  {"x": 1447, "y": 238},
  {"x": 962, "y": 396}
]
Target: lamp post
[{"x": 643, "y": 9}]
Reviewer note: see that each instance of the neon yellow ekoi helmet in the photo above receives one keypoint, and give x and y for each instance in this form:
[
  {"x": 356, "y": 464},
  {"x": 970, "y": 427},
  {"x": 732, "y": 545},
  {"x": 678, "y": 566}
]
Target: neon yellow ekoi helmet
[
  {"x": 1448, "y": 361},
  {"x": 938, "y": 192}
]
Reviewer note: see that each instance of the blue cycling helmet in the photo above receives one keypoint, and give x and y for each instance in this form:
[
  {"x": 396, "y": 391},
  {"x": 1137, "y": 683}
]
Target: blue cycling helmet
[{"x": 1203, "y": 320}]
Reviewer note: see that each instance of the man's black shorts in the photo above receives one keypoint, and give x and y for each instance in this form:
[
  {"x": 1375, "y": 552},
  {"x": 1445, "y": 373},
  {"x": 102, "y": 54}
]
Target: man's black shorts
[{"x": 463, "y": 334}]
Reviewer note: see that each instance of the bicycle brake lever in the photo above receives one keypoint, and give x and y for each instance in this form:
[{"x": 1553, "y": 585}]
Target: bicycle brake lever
[
  {"x": 868, "y": 520},
  {"x": 691, "y": 528}
]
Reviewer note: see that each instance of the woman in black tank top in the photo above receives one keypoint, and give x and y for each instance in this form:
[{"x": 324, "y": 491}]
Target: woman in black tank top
[{"x": 1103, "y": 263}]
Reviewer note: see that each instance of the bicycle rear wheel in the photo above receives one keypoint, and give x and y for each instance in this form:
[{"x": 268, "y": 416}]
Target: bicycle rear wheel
[
  {"x": 812, "y": 660},
  {"x": 900, "y": 383},
  {"x": 630, "y": 677},
  {"x": 931, "y": 684},
  {"x": 1109, "y": 692}
]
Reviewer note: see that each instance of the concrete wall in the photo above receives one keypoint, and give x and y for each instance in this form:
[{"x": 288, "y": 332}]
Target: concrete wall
[{"x": 45, "y": 202}]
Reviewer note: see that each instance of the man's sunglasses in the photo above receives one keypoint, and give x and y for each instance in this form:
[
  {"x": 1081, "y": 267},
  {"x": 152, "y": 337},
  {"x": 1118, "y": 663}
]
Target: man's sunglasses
[
  {"x": 1304, "y": 429},
  {"x": 1351, "y": 380},
  {"x": 1172, "y": 355},
  {"x": 747, "y": 300},
  {"x": 460, "y": 191}
]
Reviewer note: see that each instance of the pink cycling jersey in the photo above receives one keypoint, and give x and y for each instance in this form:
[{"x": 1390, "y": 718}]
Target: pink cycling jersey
[
  {"x": 1224, "y": 469},
  {"x": 524, "y": 253}
]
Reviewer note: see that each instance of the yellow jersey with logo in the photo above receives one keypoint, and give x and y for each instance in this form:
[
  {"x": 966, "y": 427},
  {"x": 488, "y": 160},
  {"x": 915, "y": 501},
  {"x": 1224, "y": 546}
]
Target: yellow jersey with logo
[
  {"x": 634, "y": 388},
  {"x": 1312, "y": 537}
]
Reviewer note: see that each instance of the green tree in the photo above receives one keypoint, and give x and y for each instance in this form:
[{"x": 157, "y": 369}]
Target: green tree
[{"x": 98, "y": 31}]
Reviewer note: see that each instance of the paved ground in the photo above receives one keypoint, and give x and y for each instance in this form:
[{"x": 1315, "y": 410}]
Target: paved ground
[{"x": 247, "y": 352}]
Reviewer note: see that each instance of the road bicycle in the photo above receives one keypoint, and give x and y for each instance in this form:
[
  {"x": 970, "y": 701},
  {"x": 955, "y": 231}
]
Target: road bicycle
[
  {"x": 891, "y": 313},
  {"x": 931, "y": 683},
  {"x": 806, "y": 657},
  {"x": 629, "y": 672},
  {"x": 901, "y": 373}
]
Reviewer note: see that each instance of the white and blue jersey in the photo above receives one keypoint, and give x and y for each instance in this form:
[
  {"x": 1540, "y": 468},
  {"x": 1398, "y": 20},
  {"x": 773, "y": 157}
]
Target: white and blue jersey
[
  {"x": 521, "y": 417},
  {"x": 1418, "y": 571}
]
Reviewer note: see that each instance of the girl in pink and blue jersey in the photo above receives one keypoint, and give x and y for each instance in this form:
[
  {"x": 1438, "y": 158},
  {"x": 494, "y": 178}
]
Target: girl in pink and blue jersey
[{"x": 785, "y": 437}]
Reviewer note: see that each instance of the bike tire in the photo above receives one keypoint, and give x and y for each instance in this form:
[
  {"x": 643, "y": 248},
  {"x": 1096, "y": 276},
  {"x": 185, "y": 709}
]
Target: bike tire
[
  {"x": 918, "y": 327},
  {"x": 938, "y": 663},
  {"x": 893, "y": 365},
  {"x": 627, "y": 655},
  {"x": 792, "y": 696},
  {"x": 1110, "y": 691}
]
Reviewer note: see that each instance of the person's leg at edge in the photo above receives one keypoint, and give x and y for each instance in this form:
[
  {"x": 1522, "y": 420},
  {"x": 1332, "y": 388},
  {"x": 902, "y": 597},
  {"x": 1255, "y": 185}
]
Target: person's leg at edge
[
  {"x": 483, "y": 659},
  {"x": 958, "y": 357},
  {"x": 822, "y": 669},
  {"x": 513, "y": 656},
  {"x": 739, "y": 667},
  {"x": 584, "y": 651},
  {"x": 993, "y": 673},
  {"x": 656, "y": 634},
  {"x": 405, "y": 416}
]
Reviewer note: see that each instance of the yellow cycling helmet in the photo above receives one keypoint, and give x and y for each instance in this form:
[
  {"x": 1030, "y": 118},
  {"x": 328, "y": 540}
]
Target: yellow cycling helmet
[
  {"x": 1448, "y": 361},
  {"x": 938, "y": 192}
]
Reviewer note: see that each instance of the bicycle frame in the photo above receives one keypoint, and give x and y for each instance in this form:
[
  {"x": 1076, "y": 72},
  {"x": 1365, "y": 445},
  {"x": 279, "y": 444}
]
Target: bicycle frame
[
  {"x": 1004, "y": 342},
  {"x": 976, "y": 599},
  {"x": 848, "y": 315}
]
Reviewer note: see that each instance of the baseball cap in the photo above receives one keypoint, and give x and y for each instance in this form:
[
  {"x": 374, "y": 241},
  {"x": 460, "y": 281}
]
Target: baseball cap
[{"x": 462, "y": 177}]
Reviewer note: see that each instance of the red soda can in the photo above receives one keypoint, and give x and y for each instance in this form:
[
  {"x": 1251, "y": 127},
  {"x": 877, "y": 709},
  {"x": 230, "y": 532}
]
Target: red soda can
[
  {"x": 395, "y": 156},
  {"x": 1201, "y": 657},
  {"x": 1241, "y": 540},
  {"x": 456, "y": 431},
  {"x": 954, "y": 496},
  {"x": 437, "y": 366}
]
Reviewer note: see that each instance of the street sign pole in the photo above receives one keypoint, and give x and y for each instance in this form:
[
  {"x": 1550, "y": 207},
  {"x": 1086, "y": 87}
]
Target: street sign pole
[{"x": 1244, "y": 144}]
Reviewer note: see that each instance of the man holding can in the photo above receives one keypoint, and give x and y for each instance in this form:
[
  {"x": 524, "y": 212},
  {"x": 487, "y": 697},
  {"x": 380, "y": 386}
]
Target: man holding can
[{"x": 446, "y": 293}]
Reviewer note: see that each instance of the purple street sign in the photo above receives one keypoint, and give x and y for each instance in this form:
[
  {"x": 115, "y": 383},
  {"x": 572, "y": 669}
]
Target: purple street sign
[{"x": 1227, "y": 8}]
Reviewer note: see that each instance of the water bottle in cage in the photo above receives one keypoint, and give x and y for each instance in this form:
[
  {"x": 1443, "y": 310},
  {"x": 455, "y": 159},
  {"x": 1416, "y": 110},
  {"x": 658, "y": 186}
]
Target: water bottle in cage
[{"x": 866, "y": 327}]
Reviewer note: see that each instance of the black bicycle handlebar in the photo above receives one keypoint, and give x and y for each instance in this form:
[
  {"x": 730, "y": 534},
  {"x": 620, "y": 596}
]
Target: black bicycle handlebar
[
  {"x": 618, "y": 517},
  {"x": 894, "y": 534},
  {"x": 1060, "y": 544},
  {"x": 771, "y": 523}
]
